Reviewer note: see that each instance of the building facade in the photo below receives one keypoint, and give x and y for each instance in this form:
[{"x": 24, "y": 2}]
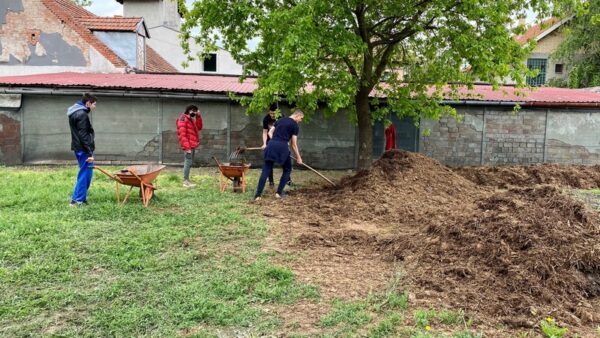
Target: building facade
[
  {"x": 547, "y": 36},
  {"x": 49, "y": 36},
  {"x": 163, "y": 19},
  {"x": 136, "y": 114}
]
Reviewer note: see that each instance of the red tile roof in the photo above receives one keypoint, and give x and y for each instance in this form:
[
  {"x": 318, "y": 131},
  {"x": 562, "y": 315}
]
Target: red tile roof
[
  {"x": 535, "y": 30},
  {"x": 83, "y": 22},
  {"x": 73, "y": 9},
  {"x": 69, "y": 13},
  {"x": 129, "y": 24},
  {"x": 542, "y": 96}
]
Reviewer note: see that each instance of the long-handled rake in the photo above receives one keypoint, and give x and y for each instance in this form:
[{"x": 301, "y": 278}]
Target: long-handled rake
[
  {"x": 240, "y": 150},
  {"x": 316, "y": 172}
]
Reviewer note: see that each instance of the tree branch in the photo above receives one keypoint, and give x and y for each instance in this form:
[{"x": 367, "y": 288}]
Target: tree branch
[{"x": 350, "y": 66}]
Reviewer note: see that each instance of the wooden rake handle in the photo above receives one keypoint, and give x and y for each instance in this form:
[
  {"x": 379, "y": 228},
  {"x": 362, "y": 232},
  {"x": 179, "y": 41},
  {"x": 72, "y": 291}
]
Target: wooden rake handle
[{"x": 316, "y": 172}]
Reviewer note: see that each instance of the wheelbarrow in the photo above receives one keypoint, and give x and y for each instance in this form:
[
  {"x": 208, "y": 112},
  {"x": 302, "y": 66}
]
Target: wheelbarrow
[
  {"x": 140, "y": 176},
  {"x": 235, "y": 172}
]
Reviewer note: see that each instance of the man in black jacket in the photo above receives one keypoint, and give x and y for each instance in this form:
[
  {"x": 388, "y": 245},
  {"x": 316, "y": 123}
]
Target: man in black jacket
[{"x": 82, "y": 143}]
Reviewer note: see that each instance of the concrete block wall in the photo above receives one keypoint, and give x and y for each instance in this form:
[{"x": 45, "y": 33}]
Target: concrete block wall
[
  {"x": 573, "y": 137},
  {"x": 514, "y": 137},
  {"x": 500, "y": 136},
  {"x": 452, "y": 142},
  {"x": 142, "y": 130}
]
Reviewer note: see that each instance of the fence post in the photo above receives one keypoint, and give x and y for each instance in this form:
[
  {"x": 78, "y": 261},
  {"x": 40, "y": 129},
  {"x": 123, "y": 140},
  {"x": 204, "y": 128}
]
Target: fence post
[
  {"x": 544, "y": 156},
  {"x": 228, "y": 128},
  {"x": 160, "y": 131},
  {"x": 483, "y": 143}
]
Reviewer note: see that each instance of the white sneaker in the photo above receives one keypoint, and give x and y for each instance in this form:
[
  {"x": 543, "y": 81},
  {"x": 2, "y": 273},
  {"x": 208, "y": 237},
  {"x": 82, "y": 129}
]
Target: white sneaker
[{"x": 188, "y": 184}]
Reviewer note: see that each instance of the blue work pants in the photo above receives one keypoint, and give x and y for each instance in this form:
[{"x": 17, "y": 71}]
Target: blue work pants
[
  {"x": 268, "y": 169},
  {"x": 84, "y": 177}
]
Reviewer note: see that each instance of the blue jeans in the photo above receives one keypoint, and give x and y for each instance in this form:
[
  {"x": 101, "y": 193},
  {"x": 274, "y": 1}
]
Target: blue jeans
[
  {"x": 84, "y": 177},
  {"x": 268, "y": 169}
]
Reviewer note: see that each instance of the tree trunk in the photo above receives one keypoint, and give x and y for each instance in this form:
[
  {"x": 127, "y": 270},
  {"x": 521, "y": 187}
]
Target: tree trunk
[{"x": 365, "y": 130}]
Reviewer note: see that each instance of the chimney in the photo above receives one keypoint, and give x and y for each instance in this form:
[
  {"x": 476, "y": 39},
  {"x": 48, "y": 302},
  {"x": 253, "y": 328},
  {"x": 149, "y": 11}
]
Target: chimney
[{"x": 155, "y": 12}]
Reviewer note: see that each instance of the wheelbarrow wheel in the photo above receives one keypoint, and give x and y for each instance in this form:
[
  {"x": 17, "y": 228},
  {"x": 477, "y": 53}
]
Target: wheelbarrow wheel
[
  {"x": 237, "y": 184},
  {"x": 150, "y": 192}
]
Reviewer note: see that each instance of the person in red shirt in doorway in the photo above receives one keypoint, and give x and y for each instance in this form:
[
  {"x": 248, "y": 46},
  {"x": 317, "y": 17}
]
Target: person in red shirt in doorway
[
  {"x": 390, "y": 135},
  {"x": 189, "y": 125}
]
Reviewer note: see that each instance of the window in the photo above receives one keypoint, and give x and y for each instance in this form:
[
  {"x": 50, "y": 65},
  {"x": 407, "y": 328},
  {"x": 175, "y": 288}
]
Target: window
[
  {"x": 210, "y": 63},
  {"x": 558, "y": 68},
  {"x": 540, "y": 65}
]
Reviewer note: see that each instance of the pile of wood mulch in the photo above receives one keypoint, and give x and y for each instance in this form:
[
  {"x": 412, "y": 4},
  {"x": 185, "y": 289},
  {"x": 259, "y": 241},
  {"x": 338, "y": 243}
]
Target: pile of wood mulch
[
  {"x": 507, "y": 245},
  {"x": 574, "y": 176}
]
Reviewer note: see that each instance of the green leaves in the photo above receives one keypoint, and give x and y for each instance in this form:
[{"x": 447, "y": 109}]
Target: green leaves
[
  {"x": 83, "y": 3},
  {"x": 331, "y": 54},
  {"x": 580, "y": 49}
]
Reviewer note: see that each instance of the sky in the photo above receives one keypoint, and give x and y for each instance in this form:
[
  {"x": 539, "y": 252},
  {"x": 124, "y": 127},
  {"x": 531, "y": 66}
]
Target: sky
[
  {"x": 106, "y": 8},
  {"x": 110, "y": 7}
]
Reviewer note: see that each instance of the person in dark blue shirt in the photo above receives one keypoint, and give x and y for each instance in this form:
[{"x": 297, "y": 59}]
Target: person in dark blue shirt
[
  {"x": 268, "y": 123},
  {"x": 277, "y": 151}
]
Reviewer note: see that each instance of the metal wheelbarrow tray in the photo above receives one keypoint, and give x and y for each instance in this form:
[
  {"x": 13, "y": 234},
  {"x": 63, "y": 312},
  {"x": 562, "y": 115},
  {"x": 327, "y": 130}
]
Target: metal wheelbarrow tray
[
  {"x": 140, "y": 176},
  {"x": 235, "y": 172}
]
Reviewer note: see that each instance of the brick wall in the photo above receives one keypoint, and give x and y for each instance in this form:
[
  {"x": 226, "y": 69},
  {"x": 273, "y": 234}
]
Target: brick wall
[
  {"x": 10, "y": 138},
  {"x": 16, "y": 35}
]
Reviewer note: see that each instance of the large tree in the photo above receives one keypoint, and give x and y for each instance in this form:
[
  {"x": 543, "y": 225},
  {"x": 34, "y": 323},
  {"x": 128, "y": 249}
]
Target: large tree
[
  {"x": 335, "y": 54},
  {"x": 581, "y": 48}
]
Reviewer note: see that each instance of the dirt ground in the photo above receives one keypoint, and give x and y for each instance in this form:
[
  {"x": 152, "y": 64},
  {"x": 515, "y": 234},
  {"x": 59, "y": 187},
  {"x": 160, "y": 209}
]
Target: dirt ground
[{"x": 507, "y": 245}]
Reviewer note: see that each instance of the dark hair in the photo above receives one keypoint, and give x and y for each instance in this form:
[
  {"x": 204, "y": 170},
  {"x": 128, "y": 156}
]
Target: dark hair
[
  {"x": 273, "y": 106},
  {"x": 190, "y": 108},
  {"x": 87, "y": 97}
]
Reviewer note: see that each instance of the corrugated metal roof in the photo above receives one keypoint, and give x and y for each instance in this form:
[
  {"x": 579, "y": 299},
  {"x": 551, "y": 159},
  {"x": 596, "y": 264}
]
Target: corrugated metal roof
[
  {"x": 527, "y": 96},
  {"x": 163, "y": 82},
  {"x": 223, "y": 84}
]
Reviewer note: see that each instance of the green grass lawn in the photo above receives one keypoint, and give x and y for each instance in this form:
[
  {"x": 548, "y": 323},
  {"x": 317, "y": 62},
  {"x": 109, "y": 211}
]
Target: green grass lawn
[
  {"x": 192, "y": 264},
  {"x": 190, "y": 261}
]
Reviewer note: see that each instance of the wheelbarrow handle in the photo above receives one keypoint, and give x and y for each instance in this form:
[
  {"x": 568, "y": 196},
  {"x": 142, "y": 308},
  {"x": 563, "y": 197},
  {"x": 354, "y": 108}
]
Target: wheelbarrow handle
[
  {"x": 105, "y": 172},
  {"x": 316, "y": 172}
]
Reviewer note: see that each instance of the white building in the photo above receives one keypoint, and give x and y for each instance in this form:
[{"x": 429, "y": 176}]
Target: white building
[{"x": 163, "y": 21}]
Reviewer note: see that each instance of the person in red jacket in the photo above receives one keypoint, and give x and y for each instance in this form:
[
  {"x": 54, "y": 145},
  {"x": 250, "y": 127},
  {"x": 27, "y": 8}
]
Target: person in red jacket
[
  {"x": 390, "y": 135},
  {"x": 189, "y": 125}
]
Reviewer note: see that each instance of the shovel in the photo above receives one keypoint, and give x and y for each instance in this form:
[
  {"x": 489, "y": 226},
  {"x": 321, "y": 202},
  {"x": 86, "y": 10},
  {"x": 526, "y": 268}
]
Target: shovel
[{"x": 316, "y": 172}]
